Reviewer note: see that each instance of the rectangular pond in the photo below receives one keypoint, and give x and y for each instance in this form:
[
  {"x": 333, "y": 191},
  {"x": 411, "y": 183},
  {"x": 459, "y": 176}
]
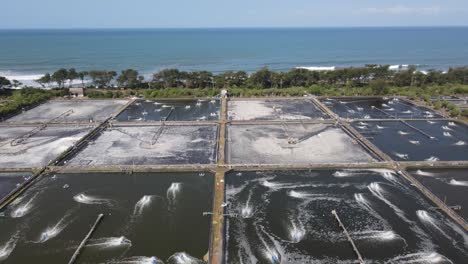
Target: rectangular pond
[
  {"x": 150, "y": 145},
  {"x": 274, "y": 109},
  {"x": 418, "y": 140},
  {"x": 30, "y": 147},
  {"x": 292, "y": 144},
  {"x": 9, "y": 181},
  {"x": 376, "y": 108},
  {"x": 148, "y": 218},
  {"x": 172, "y": 110},
  {"x": 450, "y": 185},
  {"x": 285, "y": 217},
  {"x": 70, "y": 111}
]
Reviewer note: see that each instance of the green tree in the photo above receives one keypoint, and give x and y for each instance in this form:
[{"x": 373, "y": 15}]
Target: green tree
[
  {"x": 4, "y": 82},
  {"x": 102, "y": 78},
  {"x": 45, "y": 80},
  {"x": 379, "y": 87},
  {"x": 261, "y": 78},
  {"x": 71, "y": 76},
  {"x": 128, "y": 79},
  {"x": 59, "y": 77},
  {"x": 82, "y": 76}
]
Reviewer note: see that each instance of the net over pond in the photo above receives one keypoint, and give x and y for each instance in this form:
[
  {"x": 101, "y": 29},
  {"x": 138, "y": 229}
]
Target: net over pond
[
  {"x": 418, "y": 140},
  {"x": 30, "y": 147},
  {"x": 285, "y": 217},
  {"x": 70, "y": 111},
  {"x": 274, "y": 109},
  {"x": 148, "y": 218},
  {"x": 377, "y": 108},
  {"x": 292, "y": 144},
  {"x": 172, "y": 110},
  {"x": 150, "y": 145}
]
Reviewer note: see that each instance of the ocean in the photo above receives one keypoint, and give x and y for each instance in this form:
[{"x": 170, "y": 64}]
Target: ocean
[{"x": 27, "y": 54}]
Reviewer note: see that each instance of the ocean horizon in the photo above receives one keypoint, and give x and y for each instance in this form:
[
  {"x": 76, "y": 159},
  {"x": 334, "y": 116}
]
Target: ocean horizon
[{"x": 26, "y": 54}]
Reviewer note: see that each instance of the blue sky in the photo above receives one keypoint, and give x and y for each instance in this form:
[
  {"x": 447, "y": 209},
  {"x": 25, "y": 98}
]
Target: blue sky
[{"x": 230, "y": 13}]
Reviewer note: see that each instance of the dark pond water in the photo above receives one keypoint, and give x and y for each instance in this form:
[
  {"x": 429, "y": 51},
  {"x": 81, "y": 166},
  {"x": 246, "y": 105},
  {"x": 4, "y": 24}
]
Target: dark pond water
[
  {"x": 450, "y": 185},
  {"x": 148, "y": 216},
  {"x": 172, "y": 110},
  {"x": 431, "y": 140},
  {"x": 376, "y": 108},
  {"x": 285, "y": 217}
]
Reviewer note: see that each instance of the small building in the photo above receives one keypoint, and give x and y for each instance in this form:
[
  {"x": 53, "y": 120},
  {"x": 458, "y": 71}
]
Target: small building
[{"x": 77, "y": 92}]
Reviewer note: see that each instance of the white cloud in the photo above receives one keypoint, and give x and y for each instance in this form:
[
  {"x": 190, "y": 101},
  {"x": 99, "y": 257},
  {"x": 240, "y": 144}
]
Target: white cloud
[{"x": 403, "y": 10}]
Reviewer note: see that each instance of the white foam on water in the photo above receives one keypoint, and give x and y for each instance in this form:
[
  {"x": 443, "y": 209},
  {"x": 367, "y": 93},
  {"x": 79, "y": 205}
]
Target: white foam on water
[
  {"x": 446, "y": 128},
  {"x": 380, "y": 127},
  {"x": 166, "y": 106},
  {"x": 54, "y": 230},
  {"x": 427, "y": 219},
  {"x": 173, "y": 191},
  {"x": 420, "y": 257},
  {"x": 432, "y": 158},
  {"x": 447, "y": 134},
  {"x": 247, "y": 210},
  {"x": 407, "y": 112},
  {"x": 415, "y": 142},
  {"x": 385, "y": 105},
  {"x": 367, "y": 117},
  {"x": 458, "y": 183},
  {"x": 183, "y": 258},
  {"x": 110, "y": 242},
  {"x": 87, "y": 199},
  {"x": 188, "y": 107},
  {"x": 296, "y": 232},
  {"x": 460, "y": 143},
  {"x": 361, "y": 127},
  {"x": 402, "y": 156},
  {"x": 363, "y": 124},
  {"x": 425, "y": 173},
  {"x": 23, "y": 208},
  {"x": 8, "y": 247},
  {"x": 137, "y": 260},
  {"x": 376, "y": 189},
  {"x": 452, "y": 124},
  {"x": 431, "y": 122},
  {"x": 402, "y": 132},
  {"x": 377, "y": 235},
  {"x": 360, "y": 109},
  {"x": 348, "y": 173},
  {"x": 144, "y": 202}
]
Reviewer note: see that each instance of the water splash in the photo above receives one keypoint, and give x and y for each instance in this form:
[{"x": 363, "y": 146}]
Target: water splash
[
  {"x": 377, "y": 235},
  {"x": 296, "y": 232},
  {"x": 458, "y": 183},
  {"x": 415, "y": 142},
  {"x": 87, "y": 199},
  {"x": 183, "y": 258},
  {"x": 23, "y": 209},
  {"x": 138, "y": 260},
  {"x": 446, "y": 128},
  {"x": 432, "y": 158},
  {"x": 53, "y": 231},
  {"x": 110, "y": 242},
  {"x": 348, "y": 173},
  {"x": 188, "y": 107},
  {"x": 380, "y": 127},
  {"x": 425, "y": 173},
  {"x": 447, "y": 134},
  {"x": 407, "y": 112},
  {"x": 426, "y": 218},
  {"x": 402, "y": 156},
  {"x": 460, "y": 143},
  {"x": 402, "y": 132},
  {"x": 420, "y": 257},
  {"x": 452, "y": 124},
  {"x": 8, "y": 247},
  {"x": 172, "y": 192},
  {"x": 247, "y": 209},
  {"x": 431, "y": 122},
  {"x": 376, "y": 189},
  {"x": 361, "y": 127},
  {"x": 144, "y": 202}
]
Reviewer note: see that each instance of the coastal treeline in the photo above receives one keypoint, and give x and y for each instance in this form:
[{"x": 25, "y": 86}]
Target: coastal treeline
[{"x": 376, "y": 76}]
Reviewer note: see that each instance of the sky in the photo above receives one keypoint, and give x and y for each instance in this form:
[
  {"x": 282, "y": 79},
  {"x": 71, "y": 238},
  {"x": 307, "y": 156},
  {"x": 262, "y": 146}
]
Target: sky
[{"x": 32, "y": 14}]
